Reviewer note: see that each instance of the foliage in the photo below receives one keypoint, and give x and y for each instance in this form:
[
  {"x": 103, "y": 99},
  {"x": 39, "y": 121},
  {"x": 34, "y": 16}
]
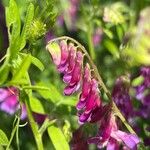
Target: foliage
[{"x": 116, "y": 36}]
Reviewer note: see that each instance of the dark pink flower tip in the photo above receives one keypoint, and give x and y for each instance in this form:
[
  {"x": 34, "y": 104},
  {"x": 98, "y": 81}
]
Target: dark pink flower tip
[
  {"x": 84, "y": 117},
  {"x": 99, "y": 112},
  {"x": 55, "y": 52},
  {"x": 90, "y": 106}
]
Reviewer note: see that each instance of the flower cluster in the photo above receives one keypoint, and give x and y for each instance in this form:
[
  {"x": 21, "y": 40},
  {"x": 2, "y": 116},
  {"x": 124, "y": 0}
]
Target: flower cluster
[{"x": 69, "y": 61}]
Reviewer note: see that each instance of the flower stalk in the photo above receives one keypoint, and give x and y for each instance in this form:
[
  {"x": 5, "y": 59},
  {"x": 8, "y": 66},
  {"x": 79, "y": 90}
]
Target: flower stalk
[
  {"x": 115, "y": 109},
  {"x": 34, "y": 127}
]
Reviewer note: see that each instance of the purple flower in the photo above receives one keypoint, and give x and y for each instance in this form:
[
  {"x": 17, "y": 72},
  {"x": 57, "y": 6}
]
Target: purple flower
[
  {"x": 68, "y": 66},
  {"x": 122, "y": 98},
  {"x": 143, "y": 94},
  {"x": 49, "y": 35},
  {"x": 89, "y": 99},
  {"x": 85, "y": 87},
  {"x": 73, "y": 9},
  {"x": 140, "y": 89},
  {"x": 69, "y": 62},
  {"x": 111, "y": 137},
  {"x": 74, "y": 83},
  {"x": 9, "y": 101}
]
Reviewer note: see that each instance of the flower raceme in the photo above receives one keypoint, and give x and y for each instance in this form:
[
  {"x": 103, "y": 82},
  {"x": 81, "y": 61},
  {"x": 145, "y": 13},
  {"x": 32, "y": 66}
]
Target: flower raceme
[{"x": 69, "y": 61}]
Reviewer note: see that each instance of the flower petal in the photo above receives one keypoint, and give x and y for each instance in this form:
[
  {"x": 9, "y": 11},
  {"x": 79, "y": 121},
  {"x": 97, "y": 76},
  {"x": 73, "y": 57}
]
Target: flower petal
[
  {"x": 71, "y": 89},
  {"x": 64, "y": 51},
  {"x": 112, "y": 144},
  {"x": 55, "y": 52},
  {"x": 9, "y": 105},
  {"x": 130, "y": 140}
]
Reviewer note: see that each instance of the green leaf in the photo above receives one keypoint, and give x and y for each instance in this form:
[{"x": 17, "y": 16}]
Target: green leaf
[
  {"x": 53, "y": 94},
  {"x": 4, "y": 69},
  {"x": 27, "y": 25},
  {"x": 119, "y": 32},
  {"x": 36, "y": 105},
  {"x": 3, "y": 138},
  {"x": 108, "y": 33},
  {"x": 71, "y": 101},
  {"x": 58, "y": 138},
  {"x": 37, "y": 63},
  {"x": 22, "y": 69},
  {"x": 112, "y": 48},
  {"x": 12, "y": 13},
  {"x": 36, "y": 88},
  {"x": 13, "y": 21},
  {"x": 137, "y": 81}
]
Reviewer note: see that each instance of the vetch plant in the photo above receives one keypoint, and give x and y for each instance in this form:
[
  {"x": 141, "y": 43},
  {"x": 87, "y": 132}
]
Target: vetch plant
[{"x": 68, "y": 56}]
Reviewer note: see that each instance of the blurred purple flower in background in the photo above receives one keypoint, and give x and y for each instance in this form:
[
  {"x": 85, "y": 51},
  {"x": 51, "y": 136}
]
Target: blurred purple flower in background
[
  {"x": 73, "y": 12},
  {"x": 97, "y": 36},
  {"x": 140, "y": 89},
  {"x": 49, "y": 35},
  {"x": 122, "y": 98},
  {"x": 9, "y": 101},
  {"x": 143, "y": 93}
]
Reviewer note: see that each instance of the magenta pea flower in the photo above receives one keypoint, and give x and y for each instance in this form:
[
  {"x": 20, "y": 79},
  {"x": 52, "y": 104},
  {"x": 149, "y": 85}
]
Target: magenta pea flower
[
  {"x": 89, "y": 98},
  {"x": 85, "y": 86},
  {"x": 68, "y": 62},
  {"x": 111, "y": 137},
  {"x": 9, "y": 101},
  {"x": 91, "y": 102},
  {"x": 74, "y": 83}
]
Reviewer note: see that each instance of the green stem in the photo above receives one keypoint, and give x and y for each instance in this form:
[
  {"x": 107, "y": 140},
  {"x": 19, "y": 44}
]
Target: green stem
[
  {"x": 101, "y": 83},
  {"x": 34, "y": 127},
  {"x": 13, "y": 132},
  {"x": 90, "y": 43},
  {"x": 45, "y": 125}
]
